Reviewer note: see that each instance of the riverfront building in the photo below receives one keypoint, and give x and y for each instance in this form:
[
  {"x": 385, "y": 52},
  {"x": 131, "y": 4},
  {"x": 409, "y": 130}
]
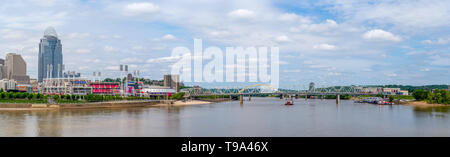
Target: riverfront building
[
  {"x": 16, "y": 68},
  {"x": 172, "y": 81},
  {"x": 50, "y": 56},
  {"x": 157, "y": 90},
  {"x": 60, "y": 86},
  {"x": 7, "y": 85},
  {"x": 105, "y": 88}
]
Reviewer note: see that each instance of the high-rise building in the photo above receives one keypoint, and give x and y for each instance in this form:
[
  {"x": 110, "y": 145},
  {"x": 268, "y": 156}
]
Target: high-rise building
[
  {"x": 311, "y": 87},
  {"x": 16, "y": 68},
  {"x": 172, "y": 81},
  {"x": 50, "y": 56},
  {"x": 2, "y": 69}
]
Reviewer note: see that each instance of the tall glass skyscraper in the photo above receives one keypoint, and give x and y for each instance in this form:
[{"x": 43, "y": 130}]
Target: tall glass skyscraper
[{"x": 50, "y": 56}]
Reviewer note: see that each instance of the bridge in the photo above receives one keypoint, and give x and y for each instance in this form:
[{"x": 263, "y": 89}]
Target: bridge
[{"x": 264, "y": 89}]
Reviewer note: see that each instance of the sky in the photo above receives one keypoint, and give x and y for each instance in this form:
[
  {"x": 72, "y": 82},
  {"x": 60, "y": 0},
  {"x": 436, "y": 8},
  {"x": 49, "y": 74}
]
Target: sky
[{"x": 329, "y": 42}]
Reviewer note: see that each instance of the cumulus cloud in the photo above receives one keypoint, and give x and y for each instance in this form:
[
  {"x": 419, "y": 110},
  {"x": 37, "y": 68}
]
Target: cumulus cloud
[
  {"x": 378, "y": 34},
  {"x": 134, "y": 9}
]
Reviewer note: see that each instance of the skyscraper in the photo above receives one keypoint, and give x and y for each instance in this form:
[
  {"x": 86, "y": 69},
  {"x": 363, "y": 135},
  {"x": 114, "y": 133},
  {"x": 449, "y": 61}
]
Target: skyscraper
[
  {"x": 172, "y": 81},
  {"x": 16, "y": 68},
  {"x": 50, "y": 56}
]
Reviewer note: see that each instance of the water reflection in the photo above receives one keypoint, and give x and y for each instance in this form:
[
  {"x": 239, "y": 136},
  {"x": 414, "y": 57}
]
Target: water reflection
[{"x": 258, "y": 117}]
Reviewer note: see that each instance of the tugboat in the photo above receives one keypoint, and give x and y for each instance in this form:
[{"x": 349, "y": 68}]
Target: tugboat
[{"x": 289, "y": 102}]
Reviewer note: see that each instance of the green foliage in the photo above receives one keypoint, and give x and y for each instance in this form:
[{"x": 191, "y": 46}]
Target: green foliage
[
  {"x": 55, "y": 97},
  {"x": 420, "y": 94},
  {"x": 391, "y": 98},
  {"x": 439, "y": 97},
  {"x": 177, "y": 96}
]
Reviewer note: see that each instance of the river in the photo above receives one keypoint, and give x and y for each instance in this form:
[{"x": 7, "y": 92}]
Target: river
[{"x": 258, "y": 117}]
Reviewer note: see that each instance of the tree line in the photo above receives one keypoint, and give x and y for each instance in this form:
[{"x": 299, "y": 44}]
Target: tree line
[{"x": 437, "y": 96}]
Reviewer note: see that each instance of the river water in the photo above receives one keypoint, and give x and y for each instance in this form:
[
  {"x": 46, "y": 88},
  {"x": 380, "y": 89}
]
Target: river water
[{"x": 258, "y": 117}]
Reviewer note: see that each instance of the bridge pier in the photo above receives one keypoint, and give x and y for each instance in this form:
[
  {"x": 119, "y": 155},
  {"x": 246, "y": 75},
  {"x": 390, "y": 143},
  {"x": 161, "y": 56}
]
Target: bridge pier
[
  {"x": 249, "y": 97},
  {"x": 306, "y": 96},
  {"x": 338, "y": 99},
  {"x": 241, "y": 99}
]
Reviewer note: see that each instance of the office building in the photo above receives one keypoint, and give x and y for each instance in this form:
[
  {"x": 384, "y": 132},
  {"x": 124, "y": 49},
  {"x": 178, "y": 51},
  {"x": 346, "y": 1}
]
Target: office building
[
  {"x": 172, "y": 81},
  {"x": 16, "y": 68},
  {"x": 50, "y": 56}
]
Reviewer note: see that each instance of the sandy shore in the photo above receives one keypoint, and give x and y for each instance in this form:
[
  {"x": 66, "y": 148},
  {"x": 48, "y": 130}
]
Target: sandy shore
[
  {"x": 421, "y": 104},
  {"x": 187, "y": 103}
]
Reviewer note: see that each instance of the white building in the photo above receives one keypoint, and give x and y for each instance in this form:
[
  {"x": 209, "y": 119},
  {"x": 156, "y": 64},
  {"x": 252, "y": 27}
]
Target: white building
[
  {"x": 7, "y": 85},
  {"x": 157, "y": 90},
  {"x": 61, "y": 86}
]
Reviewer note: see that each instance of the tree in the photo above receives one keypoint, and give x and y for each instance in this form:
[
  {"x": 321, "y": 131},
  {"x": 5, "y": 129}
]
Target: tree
[
  {"x": 55, "y": 97},
  {"x": 420, "y": 94},
  {"x": 391, "y": 98}
]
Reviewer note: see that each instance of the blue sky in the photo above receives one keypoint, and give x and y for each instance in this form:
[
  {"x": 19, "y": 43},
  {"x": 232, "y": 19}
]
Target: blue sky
[{"x": 344, "y": 42}]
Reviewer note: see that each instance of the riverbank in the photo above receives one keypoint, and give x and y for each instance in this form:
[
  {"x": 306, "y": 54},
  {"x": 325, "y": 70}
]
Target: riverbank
[
  {"x": 109, "y": 104},
  {"x": 421, "y": 104},
  {"x": 183, "y": 103}
]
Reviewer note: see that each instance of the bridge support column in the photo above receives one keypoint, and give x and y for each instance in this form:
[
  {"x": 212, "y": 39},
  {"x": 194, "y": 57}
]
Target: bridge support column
[
  {"x": 231, "y": 97},
  {"x": 249, "y": 97},
  {"x": 306, "y": 96},
  {"x": 338, "y": 99},
  {"x": 241, "y": 99},
  {"x": 322, "y": 96}
]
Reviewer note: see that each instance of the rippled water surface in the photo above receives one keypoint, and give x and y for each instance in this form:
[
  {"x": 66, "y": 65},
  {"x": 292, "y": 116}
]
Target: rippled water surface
[{"x": 259, "y": 117}]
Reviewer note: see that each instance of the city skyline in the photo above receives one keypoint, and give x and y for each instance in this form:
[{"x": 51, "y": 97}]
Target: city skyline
[{"x": 325, "y": 42}]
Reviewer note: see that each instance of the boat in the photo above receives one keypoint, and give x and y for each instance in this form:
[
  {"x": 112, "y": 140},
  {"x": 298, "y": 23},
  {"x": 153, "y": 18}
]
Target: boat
[
  {"x": 289, "y": 102},
  {"x": 375, "y": 100}
]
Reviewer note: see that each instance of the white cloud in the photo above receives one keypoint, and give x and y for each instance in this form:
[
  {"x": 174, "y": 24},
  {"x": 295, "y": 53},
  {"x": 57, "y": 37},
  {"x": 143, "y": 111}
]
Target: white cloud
[
  {"x": 112, "y": 68},
  {"x": 108, "y": 48},
  {"x": 292, "y": 71},
  {"x": 137, "y": 48},
  {"x": 131, "y": 60},
  {"x": 321, "y": 27},
  {"x": 378, "y": 34},
  {"x": 425, "y": 69},
  {"x": 163, "y": 59},
  {"x": 292, "y": 17},
  {"x": 391, "y": 74},
  {"x": 282, "y": 38},
  {"x": 168, "y": 37},
  {"x": 241, "y": 14},
  {"x": 134, "y": 9},
  {"x": 82, "y": 51},
  {"x": 440, "y": 41},
  {"x": 78, "y": 35},
  {"x": 440, "y": 60},
  {"x": 324, "y": 47}
]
